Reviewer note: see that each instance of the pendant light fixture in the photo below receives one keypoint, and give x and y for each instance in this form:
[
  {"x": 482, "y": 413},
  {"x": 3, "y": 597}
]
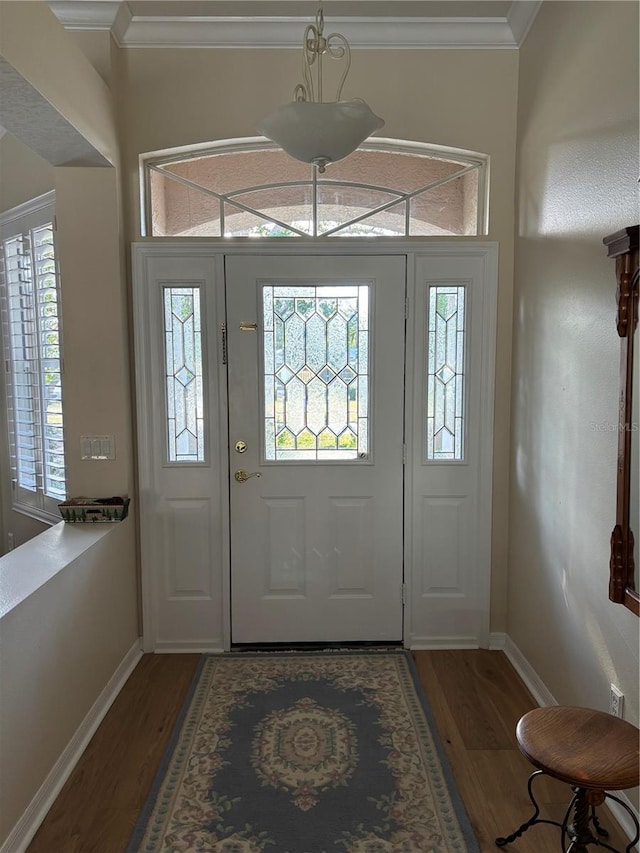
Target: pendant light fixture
[{"x": 309, "y": 128}]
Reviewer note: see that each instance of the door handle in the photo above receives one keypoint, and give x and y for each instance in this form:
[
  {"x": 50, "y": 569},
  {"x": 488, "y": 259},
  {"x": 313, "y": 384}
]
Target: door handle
[{"x": 242, "y": 476}]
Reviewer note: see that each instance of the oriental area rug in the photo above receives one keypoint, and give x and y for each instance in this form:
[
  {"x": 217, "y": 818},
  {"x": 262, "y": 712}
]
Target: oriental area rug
[{"x": 304, "y": 752}]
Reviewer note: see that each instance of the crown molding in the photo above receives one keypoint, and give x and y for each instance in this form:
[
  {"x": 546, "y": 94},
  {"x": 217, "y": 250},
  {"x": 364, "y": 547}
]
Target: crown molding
[
  {"x": 362, "y": 33},
  {"x": 218, "y": 31},
  {"x": 85, "y": 14}
]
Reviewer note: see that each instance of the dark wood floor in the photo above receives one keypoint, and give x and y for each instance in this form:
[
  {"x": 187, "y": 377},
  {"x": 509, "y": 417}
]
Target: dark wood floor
[{"x": 476, "y": 698}]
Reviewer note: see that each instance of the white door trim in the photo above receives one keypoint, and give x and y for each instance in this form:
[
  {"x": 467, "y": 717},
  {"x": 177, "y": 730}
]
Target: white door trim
[{"x": 216, "y": 251}]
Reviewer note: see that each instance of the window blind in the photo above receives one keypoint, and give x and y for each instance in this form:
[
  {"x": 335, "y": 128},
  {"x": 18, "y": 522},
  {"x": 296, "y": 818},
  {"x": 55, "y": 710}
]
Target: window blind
[{"x": 31, "y": 328}]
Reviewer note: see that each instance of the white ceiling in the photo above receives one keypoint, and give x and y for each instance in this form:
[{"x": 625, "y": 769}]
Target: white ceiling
[{"x": 408, "y": 24}]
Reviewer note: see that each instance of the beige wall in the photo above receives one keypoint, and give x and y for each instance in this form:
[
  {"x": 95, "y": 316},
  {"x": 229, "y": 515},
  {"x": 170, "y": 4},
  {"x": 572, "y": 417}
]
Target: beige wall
[
  {"x": 60, "y": 647},
  {"x": 23, "y": 174},
  {"x": 577, "y": 173},
  {"x": 96, "y": 46},
  {"x": 464, "y": 99},
  {"x": 97, "y": 396}
]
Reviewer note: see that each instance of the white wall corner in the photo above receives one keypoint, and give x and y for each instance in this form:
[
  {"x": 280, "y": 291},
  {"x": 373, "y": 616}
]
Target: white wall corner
[
  {"x": 121, "y": 23},
  {"x": 18, "y": 839},
  {"x": 520, "y": 18},
  {"x": 497, "y": 641}
]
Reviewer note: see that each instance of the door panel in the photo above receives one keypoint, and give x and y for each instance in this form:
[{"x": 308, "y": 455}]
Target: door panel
[{"x": 316, "y": 537}]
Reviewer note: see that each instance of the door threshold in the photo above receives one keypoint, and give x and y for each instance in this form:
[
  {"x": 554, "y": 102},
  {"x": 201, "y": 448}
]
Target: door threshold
[{"x": 317, "y": 647}]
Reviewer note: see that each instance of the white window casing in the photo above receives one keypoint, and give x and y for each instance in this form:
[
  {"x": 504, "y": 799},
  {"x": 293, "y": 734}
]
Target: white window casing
[{"x": 30, "y": 304}]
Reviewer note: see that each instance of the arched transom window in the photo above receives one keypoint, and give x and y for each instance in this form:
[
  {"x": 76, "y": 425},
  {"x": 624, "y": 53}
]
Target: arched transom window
[{"x": 253, "y": 189}]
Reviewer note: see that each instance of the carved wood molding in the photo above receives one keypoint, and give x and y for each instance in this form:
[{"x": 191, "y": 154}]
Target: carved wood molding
[
  {"x": 616, "y": 565},
  {"x": 625, "y": 294},
  {"x": 623, "y": 246}
]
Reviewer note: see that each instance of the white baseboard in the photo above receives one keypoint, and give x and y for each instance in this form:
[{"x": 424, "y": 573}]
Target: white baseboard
[
  {"x": 497, "y": 641},
  {"x": 425, "y": 644},
  {"x": 422, "y": 644},
  {"x": 534, "y": 684},
  {"x": 22, "y": 833},
  {"x": 544, "y": 697},
  {"x": 187, "y": 648},
  {"x": 622, "y": 816}
]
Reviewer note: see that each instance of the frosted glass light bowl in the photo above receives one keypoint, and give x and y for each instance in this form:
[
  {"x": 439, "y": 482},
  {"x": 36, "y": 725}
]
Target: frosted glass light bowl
[{"x": 320, "y": 133}]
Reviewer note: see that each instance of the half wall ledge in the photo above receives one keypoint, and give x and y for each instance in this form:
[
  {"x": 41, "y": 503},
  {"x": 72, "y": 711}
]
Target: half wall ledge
[{"x": 31, "y": 565}]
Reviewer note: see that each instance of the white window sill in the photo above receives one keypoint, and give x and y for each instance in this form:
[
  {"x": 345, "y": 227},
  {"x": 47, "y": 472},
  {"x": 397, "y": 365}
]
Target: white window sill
[
  {"x": 28, "y": 567},
  {"x": 37, "y": 514}
]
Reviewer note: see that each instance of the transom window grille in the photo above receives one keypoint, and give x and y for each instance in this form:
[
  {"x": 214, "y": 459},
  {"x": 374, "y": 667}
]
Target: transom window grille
[
  {"x": 31, "y": 329},
  {"x": 445, "y": 372},
  {"x": 316, "y": 372},
  {"x": 183, "y": 360},
  {"x": 254, "y": 189}
]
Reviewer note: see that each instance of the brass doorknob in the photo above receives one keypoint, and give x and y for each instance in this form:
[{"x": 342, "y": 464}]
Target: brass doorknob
[{"x": 242, "y": 476}]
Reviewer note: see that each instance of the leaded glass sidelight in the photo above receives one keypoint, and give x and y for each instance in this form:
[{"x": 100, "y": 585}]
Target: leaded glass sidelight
[
  {"x": 316, "y": 372},
  {"x": 445, "y": 372},
  {"x": 183, "y": 360}
]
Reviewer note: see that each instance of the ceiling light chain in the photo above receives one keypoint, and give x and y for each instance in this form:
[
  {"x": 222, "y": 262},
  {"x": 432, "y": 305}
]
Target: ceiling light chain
[
  {"x": 315, "y": 46},
  {"x": 314, "y": 130}
]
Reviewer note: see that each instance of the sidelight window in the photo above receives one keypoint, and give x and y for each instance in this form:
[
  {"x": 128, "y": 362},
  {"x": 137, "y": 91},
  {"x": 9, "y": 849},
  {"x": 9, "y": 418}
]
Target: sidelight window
[
  {"x": 445, "y": 372},
  {"x": 183, "y": 374}
]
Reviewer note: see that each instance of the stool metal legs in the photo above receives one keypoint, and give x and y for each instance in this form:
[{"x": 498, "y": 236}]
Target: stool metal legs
[
  {"x": 579, "y": 831},
  {"x": 575, "y": 827},
  {"x": 501, "y": 842}
]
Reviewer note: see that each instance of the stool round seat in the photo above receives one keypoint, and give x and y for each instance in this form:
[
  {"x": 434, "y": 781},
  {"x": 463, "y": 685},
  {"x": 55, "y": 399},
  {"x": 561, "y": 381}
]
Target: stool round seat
[{"x": 581, "y": 746}]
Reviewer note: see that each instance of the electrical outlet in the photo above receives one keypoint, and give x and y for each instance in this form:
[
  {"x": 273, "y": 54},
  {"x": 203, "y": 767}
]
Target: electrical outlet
[
  {"x": 11, "y": 541},
  {"x": 616, "y": 702}
]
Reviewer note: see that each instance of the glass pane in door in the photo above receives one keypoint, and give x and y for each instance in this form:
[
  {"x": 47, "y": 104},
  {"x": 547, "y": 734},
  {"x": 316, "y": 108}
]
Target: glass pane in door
[
  {"x": 316, "y": 372},
  {"x": 183, "y": 374},
  {"x": 446, "y": 373}
]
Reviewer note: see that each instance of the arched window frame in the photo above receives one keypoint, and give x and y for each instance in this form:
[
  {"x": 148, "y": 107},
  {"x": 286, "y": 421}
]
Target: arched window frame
[{"x": 470, "y": 161}]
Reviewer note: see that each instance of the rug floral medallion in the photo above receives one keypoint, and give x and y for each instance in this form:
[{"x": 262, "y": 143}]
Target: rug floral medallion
[{"x": 304, "y": 753}]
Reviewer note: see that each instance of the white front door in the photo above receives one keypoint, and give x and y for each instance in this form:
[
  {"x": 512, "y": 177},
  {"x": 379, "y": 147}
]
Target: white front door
[
  {"x": 316, "y": 402},
  {"x": 316, "y": 540}
]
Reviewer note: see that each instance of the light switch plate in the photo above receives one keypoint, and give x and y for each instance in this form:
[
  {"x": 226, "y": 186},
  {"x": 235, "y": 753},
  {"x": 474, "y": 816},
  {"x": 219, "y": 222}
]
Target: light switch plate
[{"x": 98, "y": 447}]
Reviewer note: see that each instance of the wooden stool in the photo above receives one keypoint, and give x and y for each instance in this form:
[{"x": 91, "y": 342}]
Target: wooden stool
[{"x": 591, "y": 751}]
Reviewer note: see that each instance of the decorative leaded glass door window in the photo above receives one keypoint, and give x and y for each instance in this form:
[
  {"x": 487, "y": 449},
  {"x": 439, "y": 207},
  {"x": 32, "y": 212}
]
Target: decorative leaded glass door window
[
  {"x": 445, "y": 372},
  {"x": 253, "y": 189},
  {"x": 183, "y": 368},
  {"x": 316, "y": 372}
]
